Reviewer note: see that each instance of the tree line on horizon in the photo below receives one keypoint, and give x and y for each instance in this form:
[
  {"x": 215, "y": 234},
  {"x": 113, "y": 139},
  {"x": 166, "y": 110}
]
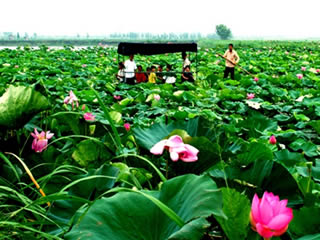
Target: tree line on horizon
[{"x": 221, "y": 32}]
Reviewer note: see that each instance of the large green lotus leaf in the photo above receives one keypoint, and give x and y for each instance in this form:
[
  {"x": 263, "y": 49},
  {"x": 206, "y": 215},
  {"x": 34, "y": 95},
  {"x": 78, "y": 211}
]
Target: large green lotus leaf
[
  {"x": 192, "y": 230},
  {"x": 131, "y": 216},
  {"x": 88, "y": 152},
  {"x": 254, "y": 152},
  {"x": 19, "y": 104},
  {"x": 147, "y": 137},
  {"x": 310, "y": 237},
  {"x": 236, "y": 206},
  {"x": 289, "y": 159},
  {"x": 257, "y": 123},
  {"x": 306, "y": 221}
]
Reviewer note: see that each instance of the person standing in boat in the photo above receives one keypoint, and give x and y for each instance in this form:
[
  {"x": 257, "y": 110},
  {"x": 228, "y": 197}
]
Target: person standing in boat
[{"x": 130, "y": 69}]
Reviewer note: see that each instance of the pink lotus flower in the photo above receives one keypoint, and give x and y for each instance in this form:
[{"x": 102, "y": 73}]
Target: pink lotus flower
[
  {"x": 16, "y": 66},
  {"x": 71, "y": 99},
  {"x": 269, "y": 216},
  {"x": 256, "y": 79},
  {"x": 177, "y": 149},
  {"x": 117, "y": 97},
  {"x": 89, "y": 117},
  {"x": 287, "y": 53},
  {"x": 303, "y": 68},
  {"x": 318, "y": 70},
  {"x": 299, "y": 76},
  {"x": 84, "y": 65},
  {"x": 40, "y": 141},
  {"x": 156, "y": 97},
  {"x": 127, "y": 126},
  {"x": 83, "y": 107},
  {"x": 273, "y": 140},
  {"x": 250, "y": 96}
]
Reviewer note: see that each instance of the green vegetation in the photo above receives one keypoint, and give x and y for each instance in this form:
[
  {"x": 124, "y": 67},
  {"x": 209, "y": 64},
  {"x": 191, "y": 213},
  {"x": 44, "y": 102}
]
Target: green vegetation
[{"x": 99, "y": 179}]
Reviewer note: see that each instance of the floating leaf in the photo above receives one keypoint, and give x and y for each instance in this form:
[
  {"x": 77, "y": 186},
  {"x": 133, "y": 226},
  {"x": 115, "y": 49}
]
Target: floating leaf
[{"x": 19, "y": 104}]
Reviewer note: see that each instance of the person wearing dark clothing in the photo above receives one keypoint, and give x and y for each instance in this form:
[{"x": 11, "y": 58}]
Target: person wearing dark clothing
[
  {"x": 187, "y": 75},
  {"x": 160, "y": 73}
]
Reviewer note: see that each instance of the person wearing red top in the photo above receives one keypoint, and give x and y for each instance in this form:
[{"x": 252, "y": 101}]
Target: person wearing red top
[{"x": 140, "y": 76}]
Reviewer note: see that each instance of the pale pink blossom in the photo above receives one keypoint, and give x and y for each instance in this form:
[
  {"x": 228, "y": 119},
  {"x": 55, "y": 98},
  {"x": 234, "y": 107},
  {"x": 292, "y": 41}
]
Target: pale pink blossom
[
  {"x": 156, "y": 97},
  {"x": 303, "y": 68},
  {"x": 256, "y": 79},
  {"x": 40, "y": 141},
  {"x": 250, "y": 96},
  {"x": 299, "y": 75},
  {"x": 71, "y": 99},
  {"x": 117, "y": 97},
  {"x": 177, "y": 149}
]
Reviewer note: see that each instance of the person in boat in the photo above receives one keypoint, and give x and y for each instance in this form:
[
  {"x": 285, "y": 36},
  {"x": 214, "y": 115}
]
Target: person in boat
[
  {"x": 120, "y": 74},
  {"x": 140, "y": 75},
  {"x": 187, "y": 75},
  {"x": 169, "y": 76},
  {"x": 152, "y": 76},
  {"x": 130, "y": 69}
]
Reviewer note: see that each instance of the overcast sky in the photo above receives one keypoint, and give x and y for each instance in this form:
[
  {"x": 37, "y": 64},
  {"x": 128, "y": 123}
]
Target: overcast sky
[{"x": 282, "y": 18}]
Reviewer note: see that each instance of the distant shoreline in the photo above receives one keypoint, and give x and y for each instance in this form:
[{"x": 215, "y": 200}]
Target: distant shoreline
[{"x": 114, "y": 42}]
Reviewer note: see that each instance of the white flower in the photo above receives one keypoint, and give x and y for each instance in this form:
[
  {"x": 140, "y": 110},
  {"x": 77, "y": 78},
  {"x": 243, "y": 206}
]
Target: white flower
[
  {"x": 253, "y": 104},
  {"x": 282, "y": 146},
  {"x": 300, "y": 99}
]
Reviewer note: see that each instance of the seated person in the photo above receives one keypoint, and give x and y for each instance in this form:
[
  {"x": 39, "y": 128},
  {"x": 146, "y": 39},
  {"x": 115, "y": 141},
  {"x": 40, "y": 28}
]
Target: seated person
[
  {"x": 169, "y": 77},
  {"x": 140, "y": 76},
  {"x": 160, "y": 73},
  {"x": 152, "y": 77},
  {"x": 148, "y": 72},
  {"x": 120, "y": 74},
  {"x": 187, "y": 75}
]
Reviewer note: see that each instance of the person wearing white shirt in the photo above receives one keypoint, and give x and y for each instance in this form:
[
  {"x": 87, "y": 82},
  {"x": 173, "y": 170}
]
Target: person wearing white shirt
[
  {"x": 232, "y": 59},
  {"x": 186, "y": 61},
  {"x": 130, "y": 68},
  {"x": 120, "y": 75}
]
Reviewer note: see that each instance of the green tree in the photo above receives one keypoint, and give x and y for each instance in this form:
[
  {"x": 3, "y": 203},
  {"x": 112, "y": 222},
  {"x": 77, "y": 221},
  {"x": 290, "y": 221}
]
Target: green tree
[{"x": 223, "y": 31}]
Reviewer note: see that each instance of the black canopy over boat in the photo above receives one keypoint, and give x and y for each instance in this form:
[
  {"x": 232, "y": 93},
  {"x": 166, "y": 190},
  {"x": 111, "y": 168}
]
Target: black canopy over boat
[{"x": 128, "y": 48}]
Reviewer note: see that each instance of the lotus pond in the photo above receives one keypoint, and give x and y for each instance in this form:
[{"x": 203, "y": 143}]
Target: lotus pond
[{"x": 84, "y": 157}]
